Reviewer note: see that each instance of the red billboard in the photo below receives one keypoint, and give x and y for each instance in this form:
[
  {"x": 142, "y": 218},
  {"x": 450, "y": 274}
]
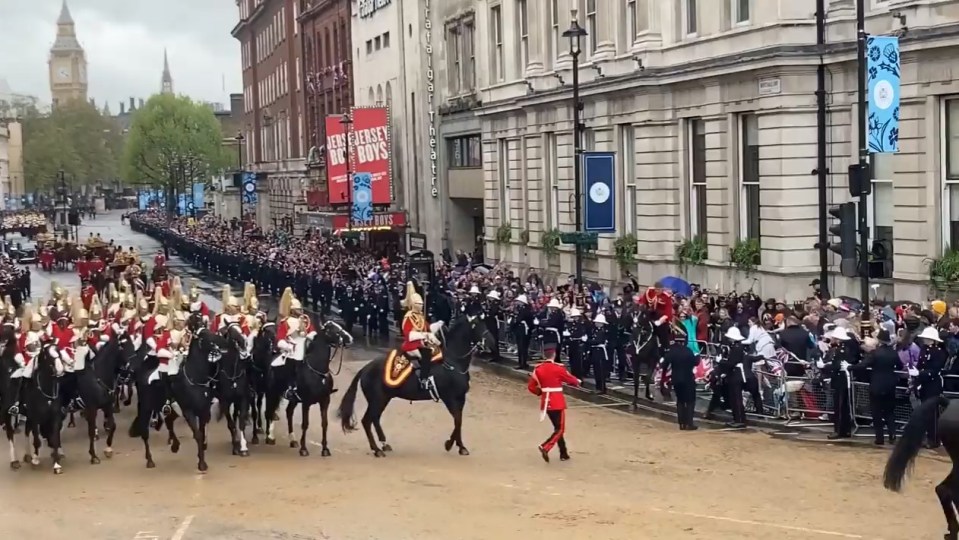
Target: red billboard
[{"x": 369, "y": 148}]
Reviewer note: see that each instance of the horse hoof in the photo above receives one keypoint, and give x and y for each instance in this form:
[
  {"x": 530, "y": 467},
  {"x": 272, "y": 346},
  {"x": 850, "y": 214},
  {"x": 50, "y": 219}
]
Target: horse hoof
[
  {"x": 94, "y": 460},
  {"x": 108, "y": 453},
  {"x": 116, "y": 409},
  {"x": 175, "y": 446},
  {"x": 244, "y": 453},
  {"x": 387, "y": 448},
  {"x": 448, "y": 445},
  {"x": 151, "y": 464},
  {"x": 464, "y": 452},
  {"x": 204, "y": 447},
  {"x": 255, "y": 440},
  {"x": 57, "y": 470},
  {"x": 202, "y": 467},
  {"x": 14, "y": 465},
  {"x": 325, "y": 452},
  {"x": 294, "y": 444},
  {"x": 270, "y": 442},
  {"x": 236, "y": 451},
  {"x": 256, "y": 432},
  {"x": 304, "y": 452},
  {"x": 379, "y": 453},
  {"x": 35, "y": 461}
]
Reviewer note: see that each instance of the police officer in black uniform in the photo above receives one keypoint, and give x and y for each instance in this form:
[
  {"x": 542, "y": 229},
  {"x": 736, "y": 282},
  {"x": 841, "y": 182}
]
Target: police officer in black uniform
[
  {"x": 522, "y": 327},
  {"x": 621, "y": 328},
  {"x": 381, "y": 305},
  {"x": 492, "y": 319},
  {"x": 349, "y": 307},
  {"x": 836, "y": 367},
  {"x": 927, "y": 375},
  {"x": 884, "y": 361},
  {"x": 576, "y": 336},
  {"x": 683, "y": 362},
  {"x": 599, "y": 351},
  {"x": 550, "y": 323}
]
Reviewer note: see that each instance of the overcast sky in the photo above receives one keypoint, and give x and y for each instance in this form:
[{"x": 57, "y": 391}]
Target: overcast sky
[{"x": 124, "y": 42}]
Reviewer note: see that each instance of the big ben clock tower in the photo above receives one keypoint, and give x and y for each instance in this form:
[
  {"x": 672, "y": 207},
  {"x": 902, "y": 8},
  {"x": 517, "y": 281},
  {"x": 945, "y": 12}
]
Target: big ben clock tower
[{"x": 68, "y": 64}]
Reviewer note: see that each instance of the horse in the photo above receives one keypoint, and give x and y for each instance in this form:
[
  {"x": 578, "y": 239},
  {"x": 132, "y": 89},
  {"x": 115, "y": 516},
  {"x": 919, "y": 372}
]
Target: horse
[
  {"x": 314, "y": 383},
  {"x": 43, "y": 405},
  {"x": 233, "y": 387},
  {"x": 190, "y": 385},
  {"x": 264, "y": 351},
  {"x": 9, "y": 394},
  {"x": 907, "y": 448},
  {"x": 645, "y": 353},
  {"x": 97, "y": 388},
  {"x": 467, "y": 334}
]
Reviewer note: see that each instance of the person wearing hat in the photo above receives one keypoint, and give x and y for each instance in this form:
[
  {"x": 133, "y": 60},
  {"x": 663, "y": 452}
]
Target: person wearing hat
[
  {"x": 599, "y": 351},
  {"x": 418, "y": 338},
  {"x": 522, "y": 325},
  {"x": 550, "y": 324},
  {"x": 547, "y": 382},
  {"x": 681, "y": 360},
  {"x": 349, "y": 307},
  {"x": 660, "y": 302},
  {"x": 492, "y": 320},
  {"x": 883, "y": 363},
  {"x": 576, "y": 335},
  {"x": 835, "y": 367},
  {"x": 927, "y": 375},
  {"x": 734, "y": 377}
]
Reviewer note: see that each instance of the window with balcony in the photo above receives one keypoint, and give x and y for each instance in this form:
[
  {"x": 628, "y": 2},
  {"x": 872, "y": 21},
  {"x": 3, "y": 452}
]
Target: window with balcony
[
  {"x": 697, "y": 178},
  {"x": 690, "y": 13},
  {"x": 496, "y": 25},
  {"x": 950, "y": 191},
  {"x": 741, "y": 11},
  {"x": 749, "y": 200},
  {"x": 591, "y": 27},
  {"x": 521, "y": 9},
  {"x": 466, "y": 152},
  {"x": 881, "y": 216}
]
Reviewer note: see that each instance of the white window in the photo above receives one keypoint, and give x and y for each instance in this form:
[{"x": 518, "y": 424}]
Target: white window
[
  {"x": 296, "y": 21},
  {"x": 503, "y": 172},
  {"x": 880, "y": 218},
  {"x": 591, "y": 27},
  {"x": 631, "y": 26},
  {"x": 550, "y": 188},
  {"x": 628, "y": 153},
  {"x": 697, "y": 178},
  {"x": 554, "y": 34},
  {"x": 523, "y": 36},
  {"x": 741, "y": 11},
  {"x": 454, "y": 59},
  {"x": 496, "y": 16},
  {"x": 690, "y": 16},
  {"x": 950, "y": 195},
  {"x": 749, "y": 198},
  {"x": 470, "y": 55}
]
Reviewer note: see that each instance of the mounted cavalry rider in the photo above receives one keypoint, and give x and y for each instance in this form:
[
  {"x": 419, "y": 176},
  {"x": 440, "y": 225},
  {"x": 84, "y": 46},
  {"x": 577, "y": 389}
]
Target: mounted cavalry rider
[
  {"x": 293, "y": 330},
  {"x": 197, "y": 305},
  {"x": 99, "y": 328},
  {"x": 28, "y": 347},
  {"x": 161, "y": 306},
  {"x": 158, "y": 347},
  {"x": 179, "y": 342},
  {"x": 10, "y": 320},
  {"x": 418, "y": 337},
  {"x": 254, "y": 317},
  {"x": 87, "y": 292},
  {"x": 231, "y": 313},
  {"x": 73, "y": 353},
  {"x": 137, "y": 322},
  {"x": 114, "y": 306}
]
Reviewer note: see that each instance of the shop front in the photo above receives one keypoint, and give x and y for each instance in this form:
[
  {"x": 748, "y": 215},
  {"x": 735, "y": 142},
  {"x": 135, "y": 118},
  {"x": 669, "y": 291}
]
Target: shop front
[{"x": 384, "y": 233}]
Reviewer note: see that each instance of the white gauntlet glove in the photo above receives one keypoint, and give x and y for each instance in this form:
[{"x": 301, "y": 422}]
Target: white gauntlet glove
[
  {"x": 913, "y": 372},
  {"x": 820, "y": 364}
]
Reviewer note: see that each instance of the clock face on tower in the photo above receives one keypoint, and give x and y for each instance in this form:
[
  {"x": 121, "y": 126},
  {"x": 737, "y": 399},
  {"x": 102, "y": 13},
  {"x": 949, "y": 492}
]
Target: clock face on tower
[{"x": 63, "y": 73}]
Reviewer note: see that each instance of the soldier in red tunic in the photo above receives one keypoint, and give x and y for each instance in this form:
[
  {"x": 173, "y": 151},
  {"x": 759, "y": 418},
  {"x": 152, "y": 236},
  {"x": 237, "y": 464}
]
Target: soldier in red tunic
[
  {"x": 660, "y": 303},
  {"x": 87, "y": 293},
  {"x": 159, "y": 260},
  {"x": 546, "y": 382},
  {"x": 83, "y": 269},
  {"x": 97, "y": 266}
]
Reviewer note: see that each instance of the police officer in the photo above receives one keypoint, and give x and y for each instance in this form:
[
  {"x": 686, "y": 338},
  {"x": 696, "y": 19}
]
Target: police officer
[
  {"x": 522, "y": 327},
  {"x": 599, "y": 351},
  {"x": 576, "y": 335},
  {"x": 837, "y": 369},
  {"x": 621, "y": 325},
  {"x": 683, "y": 362},
  {"x": 550, "y": 324},
  {"x": 734, "y": 376},
  {"x": 884, "y": 361},
  {"x": 492, "y": 320},
  {"x": 928, "y": 375},
  {"x": 349, "y": 307},
  {"x": 381, "y": 305}
]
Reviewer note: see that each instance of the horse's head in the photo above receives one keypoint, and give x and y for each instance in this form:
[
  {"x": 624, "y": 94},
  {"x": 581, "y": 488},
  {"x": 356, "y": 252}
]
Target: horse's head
[
  {"x": 334, "y": 334},
  {"x": 48, "y": 362},
  {"x": 233, "y": 335},
  {"x": 470, "y": 327}
]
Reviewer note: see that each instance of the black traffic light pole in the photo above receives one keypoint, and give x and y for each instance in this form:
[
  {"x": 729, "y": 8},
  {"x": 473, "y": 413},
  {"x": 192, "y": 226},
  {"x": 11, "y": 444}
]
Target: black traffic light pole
[
  {"x": 864, "y": 179},
  {"x": 822, "y": 170}
]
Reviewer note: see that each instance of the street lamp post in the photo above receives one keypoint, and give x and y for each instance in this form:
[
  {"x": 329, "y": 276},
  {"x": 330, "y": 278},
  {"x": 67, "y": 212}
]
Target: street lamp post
[
  {"x": 239, "y": 150},
  {"x": 347, "y": 122},
  {"x": 575, "y": 33}
]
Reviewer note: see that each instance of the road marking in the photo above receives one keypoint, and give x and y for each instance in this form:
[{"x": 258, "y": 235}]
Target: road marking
[
  {"x": 146, "y": 535},
  {"x": 181, "y": 530},
  {"x": 760, "y": 523}
]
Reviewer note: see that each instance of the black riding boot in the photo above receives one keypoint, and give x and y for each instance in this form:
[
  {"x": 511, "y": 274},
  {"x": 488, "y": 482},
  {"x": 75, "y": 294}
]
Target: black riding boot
[{"x": 423, "y": 368}]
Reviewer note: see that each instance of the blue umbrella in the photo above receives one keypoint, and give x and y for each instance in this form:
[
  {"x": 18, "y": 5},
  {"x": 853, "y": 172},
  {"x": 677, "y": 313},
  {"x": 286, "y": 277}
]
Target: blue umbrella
[{"x": 678, "y": 285}]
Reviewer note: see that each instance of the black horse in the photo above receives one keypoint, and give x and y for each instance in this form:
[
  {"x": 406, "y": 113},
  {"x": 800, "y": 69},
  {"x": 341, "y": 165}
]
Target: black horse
[
  {"x": 10, "y": 391},
  {"x": 97, "y": 388},
  {"x": 907, "y": 448},
  {"x": 645, "y": 353},
  {"x": 467, "y": 335},
  {"x": 314, "y": 383},
  {"x": 43, "y": 405},
  {"x": 233, "y": 387},
  {"x": 264, "y": 351}
]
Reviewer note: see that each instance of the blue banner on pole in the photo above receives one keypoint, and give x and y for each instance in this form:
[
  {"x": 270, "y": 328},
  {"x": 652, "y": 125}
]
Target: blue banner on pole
[
  {"x": 199, "y": 197},
  {"x": 599, "y": 173},
  {"x": 883, "y": 75},
  {"x": 362, "y": 198}
]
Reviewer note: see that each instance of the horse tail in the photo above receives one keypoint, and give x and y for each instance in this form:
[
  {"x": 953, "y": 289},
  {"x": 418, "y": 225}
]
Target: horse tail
[
  {"x": 218, "y": 411},
  {"x": 136, "y": 430},
  {"x": 910, "y": 441},
  {"x": 345, "y": 412}
]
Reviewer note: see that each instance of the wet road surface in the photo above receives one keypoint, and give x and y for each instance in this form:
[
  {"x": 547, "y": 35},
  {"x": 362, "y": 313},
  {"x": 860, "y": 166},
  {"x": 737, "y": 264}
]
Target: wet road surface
[{"x": 629, "y": 477}]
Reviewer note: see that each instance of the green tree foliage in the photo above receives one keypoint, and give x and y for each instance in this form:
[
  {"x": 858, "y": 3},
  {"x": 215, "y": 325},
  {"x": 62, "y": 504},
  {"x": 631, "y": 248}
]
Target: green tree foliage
[
  {"x": 74, "y": 138},
  {"x": 173, "y": 143}
]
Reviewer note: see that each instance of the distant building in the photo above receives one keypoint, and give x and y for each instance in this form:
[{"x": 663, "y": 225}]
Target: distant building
[
  {"x": 166, "y": 81},
  {"x": 68, "y": 63}
]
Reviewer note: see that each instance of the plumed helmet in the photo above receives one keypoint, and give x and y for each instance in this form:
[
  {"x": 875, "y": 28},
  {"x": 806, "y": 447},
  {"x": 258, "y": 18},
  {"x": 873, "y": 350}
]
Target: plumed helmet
[
  {"x": 161, "y": 322},
  {"x": 112, "y": 293},
  {"x": 295, "y": 304},
  {"x": 412, "y": 298},
  {"x": 286, "y": 303},
  {"x": 96, "y": 312},
  {"x": 194, "y": 292},
  {"x": 9, "y": 309}
]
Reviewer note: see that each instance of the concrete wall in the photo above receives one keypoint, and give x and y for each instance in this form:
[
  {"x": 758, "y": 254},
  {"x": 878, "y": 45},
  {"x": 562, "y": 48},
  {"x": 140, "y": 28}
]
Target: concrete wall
[{"x": 763, "y": 67}]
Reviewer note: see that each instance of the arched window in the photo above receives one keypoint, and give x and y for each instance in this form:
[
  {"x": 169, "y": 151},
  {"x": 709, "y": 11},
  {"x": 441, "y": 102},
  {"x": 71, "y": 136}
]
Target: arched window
[
  {"x": 389, "y": 93},
  {"x": 372, "y": 98},
  {"x": 379, "y": 94}
]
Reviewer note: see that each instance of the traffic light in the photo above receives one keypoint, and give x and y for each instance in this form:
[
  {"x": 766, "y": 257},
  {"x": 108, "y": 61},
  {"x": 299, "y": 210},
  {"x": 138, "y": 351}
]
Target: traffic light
[{"x": 845, "y": 229}]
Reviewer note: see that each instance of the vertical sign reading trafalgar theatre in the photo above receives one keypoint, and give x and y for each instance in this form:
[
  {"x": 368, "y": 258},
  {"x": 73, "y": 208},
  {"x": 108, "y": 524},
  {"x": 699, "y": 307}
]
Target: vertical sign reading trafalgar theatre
[
  {"x": 369, "y": 148},
  {"x": 599, "y": 169},
  {"x": 430, "y": 92}
]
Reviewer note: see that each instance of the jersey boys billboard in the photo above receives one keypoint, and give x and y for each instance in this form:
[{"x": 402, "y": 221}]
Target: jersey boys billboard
[{"x": 369, "y": 152}]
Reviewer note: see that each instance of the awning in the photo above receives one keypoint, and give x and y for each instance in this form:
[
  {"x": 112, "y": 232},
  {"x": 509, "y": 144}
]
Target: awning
[{"x": 386, "y": 221}]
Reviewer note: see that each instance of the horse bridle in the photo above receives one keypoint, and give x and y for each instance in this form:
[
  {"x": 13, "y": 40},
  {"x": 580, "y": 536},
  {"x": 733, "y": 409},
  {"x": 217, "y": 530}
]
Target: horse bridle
[
  {"x": 237, "y": 369},
  {"x": 36, "y": 377},
  {"x": 472, "y": 350},
  {"x": 338, "y": 348}
]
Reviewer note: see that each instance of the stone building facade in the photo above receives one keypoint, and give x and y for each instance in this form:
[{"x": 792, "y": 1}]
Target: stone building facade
[
  {"x": 710, "y": 107},
  {"x": 68, "y": 62}
]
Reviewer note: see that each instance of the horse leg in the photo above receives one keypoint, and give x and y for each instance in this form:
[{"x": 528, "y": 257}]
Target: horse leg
[
  {"x": 172, "y": 439},
  {"x": 72, "y": 422},
  {"x": 110, "y": 425},
  {"x": 290, "y": 407},
  {"x": 255, "y": 416},
  {"x": 272, "y": 404},
  {"x": 455, "y": 407},
  {"x": 304, "y": 427},
  {"x": 945, "y": 493},
  {"x": 54, "y": 442},
  {"x": 635, "y": 364},
  {"x": 231, "y": 425},
  {"x": 379, "y": 430},
  {"x": 129, "y": 395},
  {"x": 373, "y": 411},
  {"x": 325, "y": 422},
  {"x": 8, "y": 429},
  {"x": 91, "y": 416},
  {"x": 242, "y": 413},
  {"x": 35, "y": 450}
]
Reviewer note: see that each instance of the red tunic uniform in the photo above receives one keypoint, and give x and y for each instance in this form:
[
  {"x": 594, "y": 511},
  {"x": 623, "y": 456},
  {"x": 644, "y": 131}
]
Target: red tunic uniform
[
  {"x": 86, "y": 296},
  {"x": 201, "y": 307},
  {"x": 159, "y": 260},
  {"x": 97, "y": 266},
  {"x": 160, "y": 347},
  {"x": 83, "y": 269},
  {"x": 660, "y": 302},
  {"x": 547, "y": 381},
  {"x": 284, "y": 329},
  {"x": 413, "y": 322}
]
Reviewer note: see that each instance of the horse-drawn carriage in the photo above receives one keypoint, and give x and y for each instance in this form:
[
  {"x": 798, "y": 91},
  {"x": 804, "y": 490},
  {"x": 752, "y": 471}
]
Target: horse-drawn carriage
[{"x": 57, "y": 253}]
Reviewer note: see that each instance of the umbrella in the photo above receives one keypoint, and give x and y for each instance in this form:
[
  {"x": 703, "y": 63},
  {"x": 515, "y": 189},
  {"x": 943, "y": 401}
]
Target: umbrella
[{"x": 678, "y": 285}]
